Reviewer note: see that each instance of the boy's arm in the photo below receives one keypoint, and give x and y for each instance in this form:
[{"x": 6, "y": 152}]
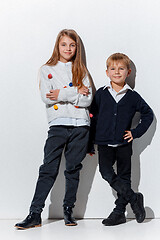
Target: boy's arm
[
  {"x": 93, "y": 115},
  {"x": 145, "y": 120}
]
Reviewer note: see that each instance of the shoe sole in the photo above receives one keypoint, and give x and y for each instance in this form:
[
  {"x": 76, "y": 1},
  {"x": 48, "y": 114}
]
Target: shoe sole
[
  {"x": 71, "y": 224},
  {"x": 109, "y": 225},
  {"x": 22, "y": 228}
]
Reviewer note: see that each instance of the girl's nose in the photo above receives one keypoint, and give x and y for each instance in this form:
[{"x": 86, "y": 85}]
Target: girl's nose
[{"x": 68, "y": 48}]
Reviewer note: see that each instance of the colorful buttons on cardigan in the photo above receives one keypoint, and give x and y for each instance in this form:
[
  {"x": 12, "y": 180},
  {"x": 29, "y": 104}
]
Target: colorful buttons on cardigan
[
  {"x": 91, "y": 115},
  {"x": 55, "y": 107},
  {"x": 50, "y": 76},
  {"x": 76, "y": 106},
  {"x": 71, "y": 84},
  {"x": 65, "y": 87}
]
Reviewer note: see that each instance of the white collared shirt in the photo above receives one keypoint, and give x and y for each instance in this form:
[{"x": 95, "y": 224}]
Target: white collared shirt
[{"x": 117, "y": 95}]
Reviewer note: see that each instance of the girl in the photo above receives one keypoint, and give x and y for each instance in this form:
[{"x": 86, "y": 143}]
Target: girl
[{"x": 67, "y": 93}]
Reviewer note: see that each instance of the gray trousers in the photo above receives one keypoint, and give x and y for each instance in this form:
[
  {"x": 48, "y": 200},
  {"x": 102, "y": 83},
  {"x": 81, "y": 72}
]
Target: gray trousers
[{"x": 74, "y": 141}]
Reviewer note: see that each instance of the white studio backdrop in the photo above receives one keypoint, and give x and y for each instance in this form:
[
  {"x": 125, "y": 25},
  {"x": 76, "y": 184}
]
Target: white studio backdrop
[{"x": 28, "y": 31}]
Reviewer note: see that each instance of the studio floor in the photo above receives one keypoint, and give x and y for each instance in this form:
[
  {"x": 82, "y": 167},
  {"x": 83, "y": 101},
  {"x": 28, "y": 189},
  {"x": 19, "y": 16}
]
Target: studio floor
[{"x": 87, "y": 229}]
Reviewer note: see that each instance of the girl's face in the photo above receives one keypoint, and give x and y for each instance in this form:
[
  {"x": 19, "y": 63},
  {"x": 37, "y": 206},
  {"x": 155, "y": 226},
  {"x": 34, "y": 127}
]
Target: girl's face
[{"x": 67, "y": 49}]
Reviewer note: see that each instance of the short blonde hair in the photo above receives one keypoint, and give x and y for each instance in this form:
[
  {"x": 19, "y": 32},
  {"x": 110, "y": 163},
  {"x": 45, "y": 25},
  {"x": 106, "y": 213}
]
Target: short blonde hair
[{"x": 118, "y": 57}]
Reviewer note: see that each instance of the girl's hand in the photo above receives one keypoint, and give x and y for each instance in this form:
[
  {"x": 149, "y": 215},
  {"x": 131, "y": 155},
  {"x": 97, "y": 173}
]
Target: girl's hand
[
  {"x": 128, "y": 135},
  {"x": 83, "y": 90},
  {"x": 53, "y": 95}
]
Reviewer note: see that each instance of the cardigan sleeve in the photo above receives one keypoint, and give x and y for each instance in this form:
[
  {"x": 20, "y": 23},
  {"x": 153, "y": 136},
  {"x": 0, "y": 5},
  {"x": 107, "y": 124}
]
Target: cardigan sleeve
[
  {"x": 146, "y": 118},
  {"x": 94, "y": 116},
  {"x": 45, "y": 87},
  {"x": 71, "y": 95}
]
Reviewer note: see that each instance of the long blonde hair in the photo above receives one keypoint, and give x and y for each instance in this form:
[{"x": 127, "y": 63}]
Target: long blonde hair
[{"x": 78, "y": 68}]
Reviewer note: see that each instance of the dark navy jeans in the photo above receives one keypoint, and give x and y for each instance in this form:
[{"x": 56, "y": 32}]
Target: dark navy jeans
[
  {"x": 119, "y": 180},
  {"x": 73, "y": 140}
]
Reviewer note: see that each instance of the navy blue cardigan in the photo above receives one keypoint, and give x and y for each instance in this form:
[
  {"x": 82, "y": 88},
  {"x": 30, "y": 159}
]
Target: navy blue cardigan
[{"x": 110, "y": 119}]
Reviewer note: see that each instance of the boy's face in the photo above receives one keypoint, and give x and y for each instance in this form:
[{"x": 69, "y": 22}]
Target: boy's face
[{"x": 118, "y": 72}]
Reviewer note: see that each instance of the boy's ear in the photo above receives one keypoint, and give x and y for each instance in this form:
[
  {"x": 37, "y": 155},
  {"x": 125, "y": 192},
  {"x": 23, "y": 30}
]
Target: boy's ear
[
  {"x": 129, "y": 72},
  {"x": 107, "y": 72}
]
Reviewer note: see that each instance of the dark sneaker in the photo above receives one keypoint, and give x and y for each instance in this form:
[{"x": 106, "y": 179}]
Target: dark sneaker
[
  {"x": 114, "y": 219},
  {"x": 68, "y": 218},
  {"x": 32, "y": 220},
  {"x": 138, "y": 208}
]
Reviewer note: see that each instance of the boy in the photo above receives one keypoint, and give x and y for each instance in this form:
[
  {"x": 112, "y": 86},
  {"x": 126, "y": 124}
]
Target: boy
[{"x": 112, "y": 111}]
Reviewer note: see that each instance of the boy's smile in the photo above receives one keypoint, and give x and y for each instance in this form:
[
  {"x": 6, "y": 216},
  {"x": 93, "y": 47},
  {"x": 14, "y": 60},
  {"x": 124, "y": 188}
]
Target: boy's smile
[{"x": 118, "y": 72}]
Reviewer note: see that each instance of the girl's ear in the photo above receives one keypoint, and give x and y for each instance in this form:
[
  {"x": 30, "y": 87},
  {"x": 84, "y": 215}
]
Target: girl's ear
[{"x": 129, "y": 72}]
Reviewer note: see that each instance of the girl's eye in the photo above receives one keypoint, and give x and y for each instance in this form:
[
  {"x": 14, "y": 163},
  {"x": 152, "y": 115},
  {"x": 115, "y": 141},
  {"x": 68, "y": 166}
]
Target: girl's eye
[{"x": 73, "y": 45}]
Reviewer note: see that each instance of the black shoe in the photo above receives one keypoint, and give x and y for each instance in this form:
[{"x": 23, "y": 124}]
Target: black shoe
[
  {"x": 32, "y": 220},
  {"x": 114, "y": 219},
  {"x": 138, "y": 208},
  {"x": 68, "y": 218}
]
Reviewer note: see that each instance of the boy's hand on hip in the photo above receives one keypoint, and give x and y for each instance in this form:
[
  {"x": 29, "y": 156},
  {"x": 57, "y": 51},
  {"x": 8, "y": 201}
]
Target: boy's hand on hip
[
  {"x": 128, "y": 135},
  {"x": 53, "y": 94}
]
